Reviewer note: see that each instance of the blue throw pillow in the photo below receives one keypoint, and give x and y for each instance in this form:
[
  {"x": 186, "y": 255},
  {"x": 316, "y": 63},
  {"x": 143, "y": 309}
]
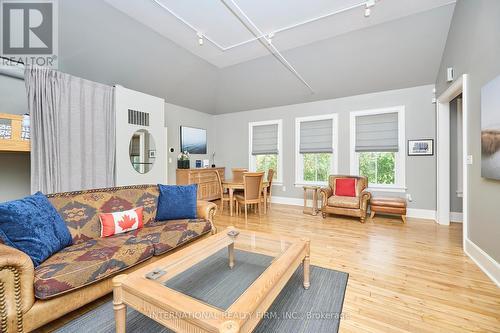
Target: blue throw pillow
[
  {"x": 33, "y": 226},
  {"x": 176, "y": 202}
]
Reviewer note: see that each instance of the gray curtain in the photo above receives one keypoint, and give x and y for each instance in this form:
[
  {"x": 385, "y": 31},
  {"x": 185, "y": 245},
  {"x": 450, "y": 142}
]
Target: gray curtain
[{"x": 72, "y": 132}]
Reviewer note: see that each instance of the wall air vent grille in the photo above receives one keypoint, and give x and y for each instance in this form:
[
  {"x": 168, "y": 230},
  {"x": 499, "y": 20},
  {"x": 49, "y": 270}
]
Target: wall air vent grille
[{"x": 138, "y": 118}]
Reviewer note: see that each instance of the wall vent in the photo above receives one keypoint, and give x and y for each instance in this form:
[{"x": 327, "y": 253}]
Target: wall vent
[{"x": 138, "y": 118}]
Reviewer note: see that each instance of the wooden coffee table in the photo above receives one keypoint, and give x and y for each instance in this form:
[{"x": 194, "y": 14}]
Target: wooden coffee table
[{"x": 145, "y": 290}]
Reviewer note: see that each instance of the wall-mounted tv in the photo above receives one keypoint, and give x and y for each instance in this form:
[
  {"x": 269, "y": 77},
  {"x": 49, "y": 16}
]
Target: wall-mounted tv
[{"x": 193, "y": 140}]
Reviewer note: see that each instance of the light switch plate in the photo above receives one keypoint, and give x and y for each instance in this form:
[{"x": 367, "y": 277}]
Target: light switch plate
[
  {"x": 283, "y": 188},
  {"x": 469, "y": 159}
]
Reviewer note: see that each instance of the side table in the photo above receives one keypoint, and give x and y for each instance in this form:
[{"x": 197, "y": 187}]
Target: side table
[{"x": 314, "y": 209}]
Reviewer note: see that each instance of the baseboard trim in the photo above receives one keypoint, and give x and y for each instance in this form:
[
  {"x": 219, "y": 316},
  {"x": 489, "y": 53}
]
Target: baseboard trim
[
  {"x": 411, "y": 212},
  {"x": 456, "y": 217},
  {"x": 426, "y": 214},
  {"x": 292, "y": 201},
  {"x": 486, "y": 263}
]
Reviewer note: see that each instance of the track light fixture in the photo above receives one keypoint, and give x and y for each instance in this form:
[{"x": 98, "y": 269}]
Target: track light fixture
[
  {"x": 200, "y": 38},
  {"x": 269, "y": 38},
  {"x": 368, "y": 5}
]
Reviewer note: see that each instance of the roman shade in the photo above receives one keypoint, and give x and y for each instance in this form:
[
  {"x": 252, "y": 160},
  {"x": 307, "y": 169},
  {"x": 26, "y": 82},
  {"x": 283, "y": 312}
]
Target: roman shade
[
  {"x": 265, "y": 139},
  {"x": 316, "y": 136},
  {"x": 377, "y": 133}
]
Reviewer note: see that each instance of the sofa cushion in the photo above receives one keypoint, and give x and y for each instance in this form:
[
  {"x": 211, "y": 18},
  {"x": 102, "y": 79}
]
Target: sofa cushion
[
  {"x": 80, "y": 210},
  {"x": 176, "y": 202},
  {"x": 87, "y": 262},
  {"x": 167, "y": 235},
  {"x": 343, "y": 202},
  {"x": 33, "y": 226}
]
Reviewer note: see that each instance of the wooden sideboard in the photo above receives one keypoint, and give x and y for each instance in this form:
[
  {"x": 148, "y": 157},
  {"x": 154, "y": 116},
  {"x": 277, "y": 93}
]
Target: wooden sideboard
[{"x": 208, "y": 184}]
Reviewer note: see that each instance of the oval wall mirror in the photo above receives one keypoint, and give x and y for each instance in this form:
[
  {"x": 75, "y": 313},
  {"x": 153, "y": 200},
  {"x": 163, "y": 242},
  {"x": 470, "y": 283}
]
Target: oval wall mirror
[{"x": 142, "y": 151}]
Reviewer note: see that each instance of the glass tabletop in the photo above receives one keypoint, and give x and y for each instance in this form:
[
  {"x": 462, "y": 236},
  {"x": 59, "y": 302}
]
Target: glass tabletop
[{"x": 222, "y": 271}]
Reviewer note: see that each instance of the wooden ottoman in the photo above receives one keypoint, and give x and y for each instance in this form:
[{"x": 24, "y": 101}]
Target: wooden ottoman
[{"x": 388, "y": 205}]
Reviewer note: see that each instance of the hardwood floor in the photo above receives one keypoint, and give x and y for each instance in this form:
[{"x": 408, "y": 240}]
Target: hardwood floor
[{"x": 402, "y": 278}]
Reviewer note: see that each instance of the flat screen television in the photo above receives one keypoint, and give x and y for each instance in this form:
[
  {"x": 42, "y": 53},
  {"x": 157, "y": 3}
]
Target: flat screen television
[{"x": 193, "y": 140}]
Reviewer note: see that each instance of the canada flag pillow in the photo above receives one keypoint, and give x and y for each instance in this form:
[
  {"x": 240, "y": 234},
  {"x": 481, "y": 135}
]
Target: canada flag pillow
[{"x": 120, "y": 222}]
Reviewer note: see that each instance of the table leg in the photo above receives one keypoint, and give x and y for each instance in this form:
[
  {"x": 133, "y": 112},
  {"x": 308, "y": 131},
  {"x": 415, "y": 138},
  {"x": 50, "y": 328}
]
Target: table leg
[
  {"x": 307, "y": 264},
  {"x": 230, "y": 249},
  {"x": 265, "y": 201},
  {"x": 315, "y": 203},
  {"x": 305, "y": 201},
  {"x": 231, "y": 201},
  {"x": 119, "y": 307}
]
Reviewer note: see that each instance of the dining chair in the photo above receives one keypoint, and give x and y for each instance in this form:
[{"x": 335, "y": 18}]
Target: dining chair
[
  {"x": 238, "y": 174},
  {"x": 270, "y": 175},
  {"x": 223, "y": 196},
  {"x": 252, "y": 194},
  {"x": 238, "y": 177}
]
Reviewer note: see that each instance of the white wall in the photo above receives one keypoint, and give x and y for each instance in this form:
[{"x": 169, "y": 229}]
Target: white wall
[
  {"x": 129, "y": 99},
  {"x": 473, "y": 48},
  {"x": 232, "y": 137},
  {"x": 177, "y": 116},
  {"x": 227, "y": 135}
]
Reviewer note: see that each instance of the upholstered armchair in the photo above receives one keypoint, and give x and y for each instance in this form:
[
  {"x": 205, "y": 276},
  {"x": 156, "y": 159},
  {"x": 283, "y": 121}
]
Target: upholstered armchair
[{"x": 345, "y": 205}]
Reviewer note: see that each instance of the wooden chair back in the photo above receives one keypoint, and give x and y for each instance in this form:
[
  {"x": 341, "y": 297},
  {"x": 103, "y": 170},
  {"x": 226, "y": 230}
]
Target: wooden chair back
[
  {"x": 252, "y": 182},
  {"x": 270, "y": 175},
  {"x": 219, "y": 181},
  {"x": 238, "y": 174}
]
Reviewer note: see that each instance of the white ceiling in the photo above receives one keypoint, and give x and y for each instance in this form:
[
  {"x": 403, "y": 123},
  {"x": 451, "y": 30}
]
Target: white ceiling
[{"x": 216, "y": 21}]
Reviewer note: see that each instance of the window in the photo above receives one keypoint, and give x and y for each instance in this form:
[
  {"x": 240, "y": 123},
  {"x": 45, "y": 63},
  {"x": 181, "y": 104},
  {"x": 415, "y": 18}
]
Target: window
[
  {"x": 265, "y": 146},
  {"x": 316, "y": 155},
  {"x": 377, "y": 147}
]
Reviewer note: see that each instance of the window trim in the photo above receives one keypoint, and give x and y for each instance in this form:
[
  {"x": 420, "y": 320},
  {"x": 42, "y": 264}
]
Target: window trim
[
  {"x": 400, "y": 158},
  {"x": 299, "y": 165},
  {"x": 251, "y": 158}
]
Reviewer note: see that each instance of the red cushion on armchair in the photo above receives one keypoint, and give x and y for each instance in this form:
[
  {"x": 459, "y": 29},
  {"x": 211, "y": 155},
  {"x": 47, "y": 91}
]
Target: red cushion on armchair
[{"x": 345, "y": 187}]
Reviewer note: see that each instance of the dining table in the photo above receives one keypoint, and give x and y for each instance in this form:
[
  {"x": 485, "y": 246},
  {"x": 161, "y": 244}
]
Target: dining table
[{"x": 232, "y": 185}]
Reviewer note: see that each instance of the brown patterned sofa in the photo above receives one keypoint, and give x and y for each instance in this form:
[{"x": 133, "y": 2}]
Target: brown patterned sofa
[
  {"x": 351, "y": 206},
  {"x": 82, "y": 272}
]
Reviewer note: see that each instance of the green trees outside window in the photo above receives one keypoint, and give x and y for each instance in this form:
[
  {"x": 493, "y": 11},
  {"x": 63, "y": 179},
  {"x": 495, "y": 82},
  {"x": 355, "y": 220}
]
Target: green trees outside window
[
  {"x": 266, "y": 162},
  {"x": 317, "y": 166},
  {"x": 379, "y": 167}
]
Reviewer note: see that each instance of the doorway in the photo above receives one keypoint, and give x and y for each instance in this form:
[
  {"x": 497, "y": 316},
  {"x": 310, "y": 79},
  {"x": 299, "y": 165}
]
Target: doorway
[{"x": 459, "y": 87}]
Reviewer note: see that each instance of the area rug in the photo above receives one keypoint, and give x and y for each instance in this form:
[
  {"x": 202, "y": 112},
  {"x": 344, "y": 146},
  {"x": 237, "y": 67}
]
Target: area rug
[{"x": 317, "y": 309}]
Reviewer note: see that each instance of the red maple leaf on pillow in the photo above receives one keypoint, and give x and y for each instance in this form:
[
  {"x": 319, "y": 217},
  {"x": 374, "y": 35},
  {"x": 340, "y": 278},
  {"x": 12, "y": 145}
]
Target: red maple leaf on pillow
[{"x": 127, "y": 222}]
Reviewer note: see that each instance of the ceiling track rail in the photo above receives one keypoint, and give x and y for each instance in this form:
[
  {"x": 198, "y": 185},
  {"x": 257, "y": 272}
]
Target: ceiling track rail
[
  {"x": 265, "y": 41},
  {"x": 263, "y": 35}
]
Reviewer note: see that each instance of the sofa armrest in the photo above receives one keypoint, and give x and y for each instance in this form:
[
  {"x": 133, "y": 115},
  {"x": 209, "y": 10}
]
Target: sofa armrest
[
  {"x": 207, "y": 210},
  {"x": 17, "y": 276},
  {"x": 364, "y": 200},
  {"x": 326, "y": 192}
]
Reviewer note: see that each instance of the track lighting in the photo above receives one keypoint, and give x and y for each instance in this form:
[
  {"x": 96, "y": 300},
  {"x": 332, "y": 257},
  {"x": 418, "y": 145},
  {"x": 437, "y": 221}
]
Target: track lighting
[
  {"x": 368, "y": 5},
  {"x": 200, "y": 39},
  {"x": 269, "y": 38}
]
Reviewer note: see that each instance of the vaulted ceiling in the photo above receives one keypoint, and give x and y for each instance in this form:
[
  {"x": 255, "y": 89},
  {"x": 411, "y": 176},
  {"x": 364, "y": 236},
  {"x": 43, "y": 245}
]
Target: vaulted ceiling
[
  {"x": 213, "y": 18},
  {"x": 399, "y": 45}
]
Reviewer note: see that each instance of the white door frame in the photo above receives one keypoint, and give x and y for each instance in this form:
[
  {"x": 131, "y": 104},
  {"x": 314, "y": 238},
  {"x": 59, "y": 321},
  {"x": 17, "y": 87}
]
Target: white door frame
[{"x": 460, "y": 86}]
